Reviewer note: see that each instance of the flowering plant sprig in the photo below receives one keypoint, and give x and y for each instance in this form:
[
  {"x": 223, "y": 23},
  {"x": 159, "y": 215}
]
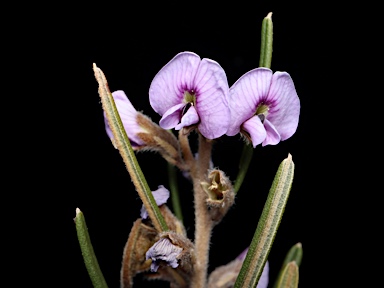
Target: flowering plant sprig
[{"x": 192, "y": 95}]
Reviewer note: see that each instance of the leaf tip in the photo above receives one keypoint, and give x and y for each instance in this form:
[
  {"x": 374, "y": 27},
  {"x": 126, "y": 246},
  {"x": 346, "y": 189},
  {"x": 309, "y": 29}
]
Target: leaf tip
[
  {"x": 269, "y": 16},
  {"x": 77, "y": 214}
]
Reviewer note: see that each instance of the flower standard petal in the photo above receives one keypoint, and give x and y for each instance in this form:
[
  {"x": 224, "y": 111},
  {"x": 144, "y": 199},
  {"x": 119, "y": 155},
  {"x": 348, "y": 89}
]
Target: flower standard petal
[
  {"x": 195, "y": 83},
  {"x": 285, "y": 105},
  {"x": 245, "y": 95},
  {"x": 212, "y": 99},
  {"x": 128, "y": 115},
  {"x": 161, "y": 196},
  {"x": 168, "y": 86}
]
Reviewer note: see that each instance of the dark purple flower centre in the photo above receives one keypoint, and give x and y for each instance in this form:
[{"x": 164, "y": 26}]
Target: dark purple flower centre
[
  {"x": 262, "y": 111},
  {"x": 189, "y": 99}
]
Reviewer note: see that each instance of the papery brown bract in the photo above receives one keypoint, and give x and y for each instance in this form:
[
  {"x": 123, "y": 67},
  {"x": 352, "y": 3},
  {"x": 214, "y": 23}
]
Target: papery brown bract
[{"x": 140, "y": 239}]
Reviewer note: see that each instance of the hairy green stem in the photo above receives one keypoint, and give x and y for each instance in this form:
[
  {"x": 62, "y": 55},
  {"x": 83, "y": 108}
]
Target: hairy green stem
[{"x": 203, "y": 223}]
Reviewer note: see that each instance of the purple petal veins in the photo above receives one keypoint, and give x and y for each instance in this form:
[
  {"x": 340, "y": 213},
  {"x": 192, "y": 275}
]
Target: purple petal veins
[
  {"x": 163, "y": 250},
  {"x": 161, "y": 196},
  {"x": 270, "y": 97},
  {"x": 188, "y": 82}
]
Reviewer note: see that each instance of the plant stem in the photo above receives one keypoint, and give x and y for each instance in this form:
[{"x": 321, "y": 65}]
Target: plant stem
[{"x": 203, "y": 223}]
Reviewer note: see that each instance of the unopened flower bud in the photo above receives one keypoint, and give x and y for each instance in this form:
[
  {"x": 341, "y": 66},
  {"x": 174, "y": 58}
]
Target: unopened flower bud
[{"x": 142, "y": 132}]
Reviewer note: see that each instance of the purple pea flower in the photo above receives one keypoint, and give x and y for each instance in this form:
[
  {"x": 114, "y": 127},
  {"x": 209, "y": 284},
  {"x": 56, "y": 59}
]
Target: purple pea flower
[
  {"x": 128, "y": 115},
  {"x": 189, "y": 91},
  {"x": 161, "y": 196},
  {"x": 264, "y": 107}
]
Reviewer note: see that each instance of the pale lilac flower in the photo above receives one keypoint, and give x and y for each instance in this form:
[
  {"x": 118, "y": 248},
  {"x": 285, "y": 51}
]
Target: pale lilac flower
[
  {"x": 163, "y": 250},
  {"x": 128, "y": 115},
  {"x": 190, "y": 91},
  {"x": 264, "y": 107},
  {"x": 161, "y": 196}
]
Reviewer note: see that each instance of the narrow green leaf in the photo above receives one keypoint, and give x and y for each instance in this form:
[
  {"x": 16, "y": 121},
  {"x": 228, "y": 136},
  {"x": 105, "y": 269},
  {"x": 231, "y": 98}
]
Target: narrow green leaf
[
  {"x": 294, "y": 254},
  {"x": 89, "y": 256},
  {"x": 122, "y": 143},
  {"x": 266, "y": 42},
  {"x": 174, "y": 187},
  {"x": 245, "y": 160},
  {"x": 290, "y": 276},
  {"x": 267, "y": 227}
]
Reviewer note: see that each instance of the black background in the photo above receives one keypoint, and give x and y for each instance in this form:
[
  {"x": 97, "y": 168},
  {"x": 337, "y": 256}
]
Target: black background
[{"x": 131, "y": 44}]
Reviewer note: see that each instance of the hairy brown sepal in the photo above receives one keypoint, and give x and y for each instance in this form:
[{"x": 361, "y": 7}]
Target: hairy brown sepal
[
  {"x": 159, "y": 140},
  {"x": 174, "y": 224},
  {"x": 220, "y": 193}
]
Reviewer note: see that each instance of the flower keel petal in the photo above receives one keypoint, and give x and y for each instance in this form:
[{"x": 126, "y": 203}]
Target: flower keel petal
[
  {"x": 273, "y": 136},
  {"x": 188, "y": 119},
  {"x": 256, "y": 130}
]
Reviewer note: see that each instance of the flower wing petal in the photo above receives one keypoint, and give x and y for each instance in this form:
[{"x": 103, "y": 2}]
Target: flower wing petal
[
  {"x": 245, "y": 94},
  {"x": 188, "y": 119},
  {"x": 212, "y": 99},
  {"x": 128, "y": 116},
  {"x": 256, "y": 130},
  {"x": 285, "y": 109},
  {"x": 273, "y": 136},
  {"x": 171, "y": 117},
  {"x": 168, "y": 86}
]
